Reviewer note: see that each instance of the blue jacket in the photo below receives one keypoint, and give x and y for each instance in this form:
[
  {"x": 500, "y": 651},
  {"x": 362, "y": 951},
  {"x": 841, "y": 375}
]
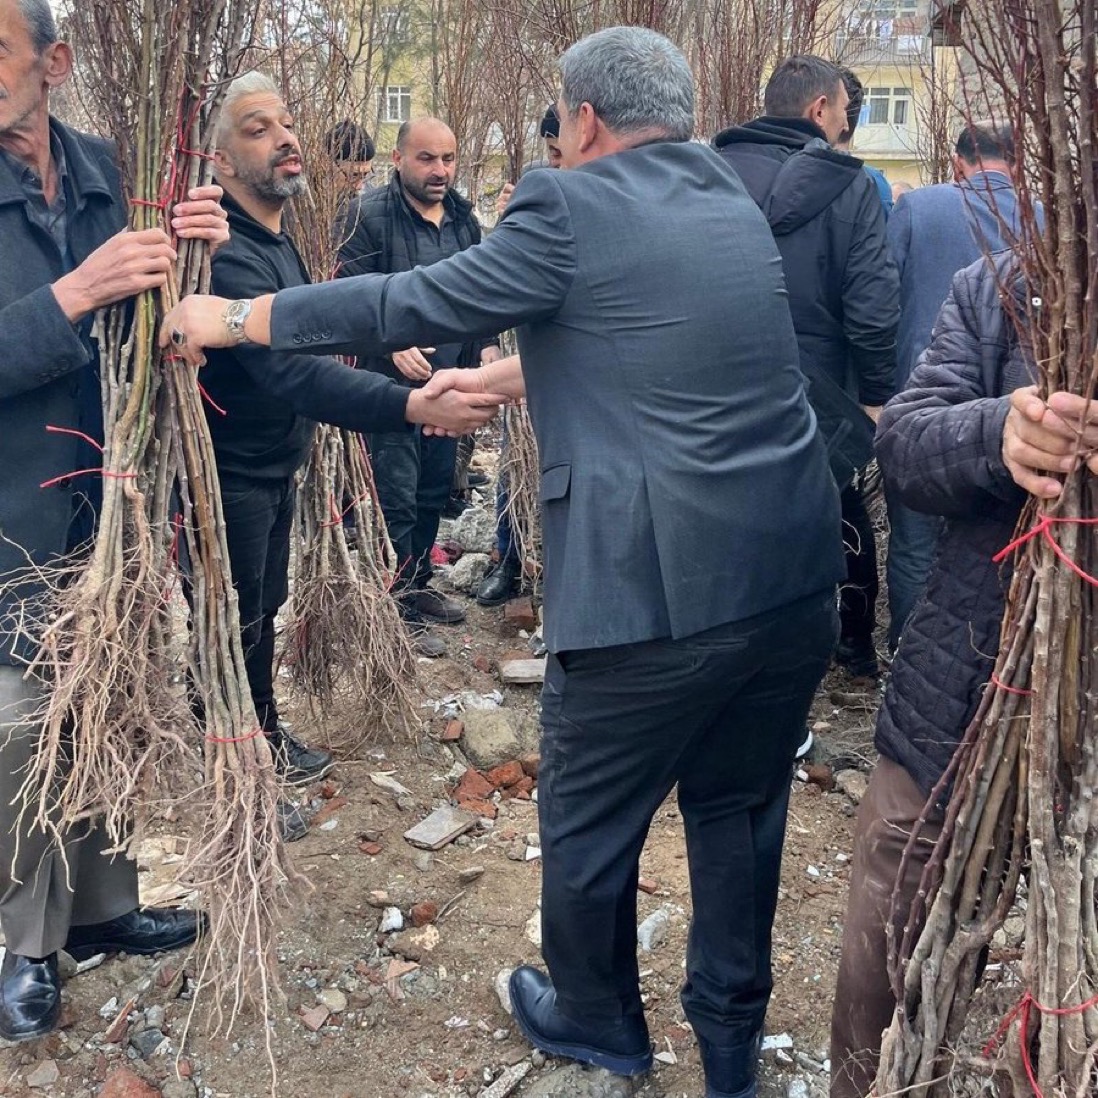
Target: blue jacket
[{"x": 935, "y": 232}]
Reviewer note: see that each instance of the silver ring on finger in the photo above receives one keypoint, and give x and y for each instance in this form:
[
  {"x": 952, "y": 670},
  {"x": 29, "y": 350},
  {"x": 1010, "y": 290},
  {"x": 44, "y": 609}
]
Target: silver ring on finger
[{"x": 179, "y": 338}]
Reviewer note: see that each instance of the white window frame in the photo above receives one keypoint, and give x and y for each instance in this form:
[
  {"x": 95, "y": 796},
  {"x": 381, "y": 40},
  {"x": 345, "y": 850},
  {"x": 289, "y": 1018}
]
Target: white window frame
[{"x": 395, "y": 103}]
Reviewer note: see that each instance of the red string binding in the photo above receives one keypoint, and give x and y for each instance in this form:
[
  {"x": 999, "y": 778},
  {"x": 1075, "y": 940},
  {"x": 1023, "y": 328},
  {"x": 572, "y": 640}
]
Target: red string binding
[
  {"x": 80, "y": 472},
  {"x": 78, "y": 434},
  {"x": 1022, "y": 1011},
  {"x": 235, "y": 739},
  {"x": 1044, "y": 528},
  {"x": 998, "y": 683}
]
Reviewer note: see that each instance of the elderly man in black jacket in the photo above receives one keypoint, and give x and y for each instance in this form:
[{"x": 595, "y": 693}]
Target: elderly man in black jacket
[
  {"x": 966, "y": 440},
  {"x": 414, "y": 222},
  {"x": 265, "y": 404},
  {"x": 64, "y": 253},
  {"x": 827, "y": 220}
]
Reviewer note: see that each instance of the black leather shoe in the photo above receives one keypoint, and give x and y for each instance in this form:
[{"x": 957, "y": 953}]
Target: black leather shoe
[
  {"x": 499, "y": 584},
  {"x": 143, "y": 930},
  {"x": 619, "y": 1045},
  {"x": 730, "y": 1071},
  {"x": 296, "y": 762},
  {"x": 30, "y": 996}
]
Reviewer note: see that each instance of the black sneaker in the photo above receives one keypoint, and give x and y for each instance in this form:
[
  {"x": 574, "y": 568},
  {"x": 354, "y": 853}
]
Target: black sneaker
[{"x": 296, "y": 762}]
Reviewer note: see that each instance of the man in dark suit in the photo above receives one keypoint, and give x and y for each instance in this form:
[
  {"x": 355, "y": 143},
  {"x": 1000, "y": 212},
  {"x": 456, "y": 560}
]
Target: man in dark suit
[{"x": 691, "y": 530}]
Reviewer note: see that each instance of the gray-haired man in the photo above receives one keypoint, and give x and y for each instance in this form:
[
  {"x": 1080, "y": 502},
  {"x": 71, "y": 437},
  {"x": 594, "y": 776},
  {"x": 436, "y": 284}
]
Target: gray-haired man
[
  {"x": 690, "y": 527},
  {"x": 64, "y": 256}
]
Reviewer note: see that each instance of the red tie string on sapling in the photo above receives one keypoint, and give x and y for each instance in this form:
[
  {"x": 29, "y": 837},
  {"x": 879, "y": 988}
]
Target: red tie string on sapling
[{"x": 1021, "y": 793}]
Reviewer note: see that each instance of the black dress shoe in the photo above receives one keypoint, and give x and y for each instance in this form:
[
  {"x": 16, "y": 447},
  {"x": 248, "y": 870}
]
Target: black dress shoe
[
  {"x": 143, "y": 930},
  {"x": 499, "y": 584},
  {"x": 30, "y": 996},
  {"x": 730, "y": 1070},
  {"x": 297, "y": 763},
  {"x": 620, "y": 1045}
]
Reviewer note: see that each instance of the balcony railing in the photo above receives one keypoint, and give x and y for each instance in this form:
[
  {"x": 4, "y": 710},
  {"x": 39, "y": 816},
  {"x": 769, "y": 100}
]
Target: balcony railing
[{"x": 895, "y": 49}]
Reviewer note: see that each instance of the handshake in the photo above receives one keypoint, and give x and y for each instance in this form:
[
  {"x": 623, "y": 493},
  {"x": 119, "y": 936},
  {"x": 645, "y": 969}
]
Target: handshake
[{"x": 454, "y": 402}]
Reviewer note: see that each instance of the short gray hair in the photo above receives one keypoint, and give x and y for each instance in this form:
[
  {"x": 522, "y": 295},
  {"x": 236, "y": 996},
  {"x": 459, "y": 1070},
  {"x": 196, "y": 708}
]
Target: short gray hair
[
  {"x": 251, "y": 83},
  {"x": 40, "y": 23},
  {"x": 635, "y": 79}
]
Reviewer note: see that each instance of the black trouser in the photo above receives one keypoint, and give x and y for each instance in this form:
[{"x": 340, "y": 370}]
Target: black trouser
[
  {"x": 413, "y": 473},
  {"x": 721, "y": 714},
  {"x": 858, "y": 596},
  {"x": 258, "y": 520}
]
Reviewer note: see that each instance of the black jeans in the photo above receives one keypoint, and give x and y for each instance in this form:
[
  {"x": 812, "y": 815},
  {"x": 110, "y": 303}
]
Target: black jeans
[
  {"x": 258, "y": 520},
  {"x": 858, "y": 596},
  {"x": 413, "y": 473},
  {"x": 721, "y": 715}
]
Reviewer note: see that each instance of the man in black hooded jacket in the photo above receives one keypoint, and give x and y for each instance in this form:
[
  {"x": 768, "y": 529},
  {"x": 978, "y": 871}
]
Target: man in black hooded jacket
[{"x": 827, "y": 221}]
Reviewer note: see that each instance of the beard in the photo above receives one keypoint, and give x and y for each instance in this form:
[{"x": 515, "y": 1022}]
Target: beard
[
  {"x": 419, "y": 192},
  {"x": 265, "y": 184}
]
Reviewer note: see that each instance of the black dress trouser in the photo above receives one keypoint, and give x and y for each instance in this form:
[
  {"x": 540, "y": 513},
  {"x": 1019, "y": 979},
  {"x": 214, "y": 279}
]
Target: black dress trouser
[
  {"x": 858, "y": 595},
  {"x": 258, "y": 522},
  {"x": 413, "y": 473},
  {"x": 720, "y": 715}
]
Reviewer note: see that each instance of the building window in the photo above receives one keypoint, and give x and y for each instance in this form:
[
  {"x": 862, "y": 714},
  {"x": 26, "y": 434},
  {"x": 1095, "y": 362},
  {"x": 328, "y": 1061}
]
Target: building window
[
  {"x": 885, "y": 105},
  {"x": 393, "y": 24},
  {"x": 395, "y": 103}
]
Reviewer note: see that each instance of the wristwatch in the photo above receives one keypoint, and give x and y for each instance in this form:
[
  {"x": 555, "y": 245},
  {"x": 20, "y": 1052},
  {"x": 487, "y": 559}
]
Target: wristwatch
[{"x": 236, "y": 312}]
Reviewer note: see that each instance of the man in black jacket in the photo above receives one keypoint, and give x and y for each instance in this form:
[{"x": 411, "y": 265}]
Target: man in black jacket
[
  {"x": 263, "y": 404},
  {"x": 415, "y": 221},
  {"x": 829, "y": 226}
]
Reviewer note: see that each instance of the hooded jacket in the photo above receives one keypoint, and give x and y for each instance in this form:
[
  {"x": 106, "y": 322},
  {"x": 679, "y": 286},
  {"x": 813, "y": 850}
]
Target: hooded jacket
[{"x": 829, "y": 226}]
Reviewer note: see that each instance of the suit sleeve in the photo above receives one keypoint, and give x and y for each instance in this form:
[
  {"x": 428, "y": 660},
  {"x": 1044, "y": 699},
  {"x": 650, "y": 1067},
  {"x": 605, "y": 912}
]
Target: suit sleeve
[
  {"x": 39, "y": 344},
  {"x": 521, "y": 273},
  {"x": 871, "y": 302},
  {"x": 322, "y": 389},
  {"x": 939, "y": 442}
]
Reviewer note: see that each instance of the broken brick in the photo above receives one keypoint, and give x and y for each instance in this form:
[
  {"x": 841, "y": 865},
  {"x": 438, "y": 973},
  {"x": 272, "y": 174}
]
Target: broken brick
[
  {"x": 478, "y": 807},
  {"x": 473, "y": 784},
  {"x": 525, "y": 785},
  {"x": 452, "y": 731},
  {"x": 821, "y": 774},
  {"x": 329, "y": 809},
  {"x": 647, "y": 886},
  {"x": 315, "y": 1017},
  {"x": 506, "y": 774},
  {"x": 530, "y": 764},
  {"x": 519, "y": 613},
  {"x": 123, "y": 1083},
  {"x": 328, "y": 789},
  {"x": 483, "y": 664},
  {"x": 424, "y": 913},
  {"x": 368, "y": 847}
]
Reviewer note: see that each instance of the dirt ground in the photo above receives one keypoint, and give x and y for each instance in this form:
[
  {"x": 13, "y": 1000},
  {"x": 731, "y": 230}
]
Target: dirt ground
[{"x": 425, "y": 1018}]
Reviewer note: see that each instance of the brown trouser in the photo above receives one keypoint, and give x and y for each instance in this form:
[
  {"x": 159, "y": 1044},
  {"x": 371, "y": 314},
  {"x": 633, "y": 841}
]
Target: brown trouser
[
  {"x": 45, "y": 889},
  {"x": 864, "y": 1003}
]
